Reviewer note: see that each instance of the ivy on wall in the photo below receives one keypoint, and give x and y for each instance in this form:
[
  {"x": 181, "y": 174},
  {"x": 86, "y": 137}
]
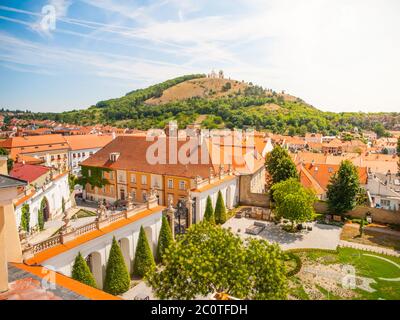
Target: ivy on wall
[{"x": 95, "y": 179}]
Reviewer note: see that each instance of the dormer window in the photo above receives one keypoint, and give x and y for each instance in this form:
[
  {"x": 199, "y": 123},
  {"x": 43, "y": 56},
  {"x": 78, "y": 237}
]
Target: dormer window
[{"x": 114, "y": 156}]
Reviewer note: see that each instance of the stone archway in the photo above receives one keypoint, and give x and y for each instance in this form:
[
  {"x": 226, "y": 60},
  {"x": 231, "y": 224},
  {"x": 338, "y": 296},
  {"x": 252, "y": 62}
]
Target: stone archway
[
  {"x": 96, "y": 267},
  {"x": 45, "y": 209},
  {"x": 124, "y": 245}
]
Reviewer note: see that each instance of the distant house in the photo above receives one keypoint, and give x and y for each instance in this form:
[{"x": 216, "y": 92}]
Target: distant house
[
  {"x": 313, "y": 137},
  {"x": 50, "y": 149},
  {"x": 317, "y": 177},
  {"x": 81, "y": 147},
  {"x": 384, "y": 190}
]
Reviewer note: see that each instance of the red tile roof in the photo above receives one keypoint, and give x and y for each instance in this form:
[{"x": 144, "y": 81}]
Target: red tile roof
[{"x": 28, "y": 172}]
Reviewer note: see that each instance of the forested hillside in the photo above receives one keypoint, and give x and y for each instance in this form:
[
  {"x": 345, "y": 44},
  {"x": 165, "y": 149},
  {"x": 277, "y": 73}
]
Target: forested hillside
[{"x": 248, "y": 106}]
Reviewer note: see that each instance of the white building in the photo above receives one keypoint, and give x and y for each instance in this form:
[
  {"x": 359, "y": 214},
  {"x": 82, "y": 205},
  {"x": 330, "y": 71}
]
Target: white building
[
  {"x": 95, "y": 246},
  {"x": 46, "y": 190},
  {"x": 82, "y": 147},
  {"x": 384, "y": 191}
]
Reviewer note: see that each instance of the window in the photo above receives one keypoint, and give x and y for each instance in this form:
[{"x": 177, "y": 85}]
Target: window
[
  {"x": 182, "y": 185},
  {"x": 83, "y": 154},
  {"x": 52, "y": 158},
  {"x": 104, "y": 189},
  {"x": 59, "y": 157},
  {"x": 385, "y": 203},
  {"x": 133, "y": 178},
  {"x": 91, "y": 153},
  {"x": 144, "y": 195},
  {"x": 111, "y": 175},
  {"x": 170, "y": 184},
  {"x": 144, "y": 179},
  {"x": 74, "y": 155},
  {"x": 79, "y": 154},
  {"x": 89, "y": 172},
  {"x": 133, "y": 195},
  {"x": 330, "y": 170},
  {"x": 112, "y": 189}
]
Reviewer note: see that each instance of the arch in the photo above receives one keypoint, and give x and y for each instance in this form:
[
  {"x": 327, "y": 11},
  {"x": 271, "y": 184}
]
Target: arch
[
  {"x": 96, "y": 267},
  {"x": 44, "y": 205},
  {"x": 124, "y": 245},
  {"x": 149, "y": 236}
]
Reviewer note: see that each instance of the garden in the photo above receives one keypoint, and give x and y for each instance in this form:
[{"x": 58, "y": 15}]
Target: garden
[{"x": 344, "y": 273}]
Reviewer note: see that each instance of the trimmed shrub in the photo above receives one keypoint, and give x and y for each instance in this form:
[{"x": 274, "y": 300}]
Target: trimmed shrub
[
  {"x": 297, "y": 260},
  {"x": 117, "y": 276},
  {"x": 220, "y": 210},
  {"x": 144, "y": 260},
  {"x": 81, "y": 272},
  {"x": 209, "y": 213},
  {"x": 164, "y": 239},
  {"x": 25, "y": 217}
]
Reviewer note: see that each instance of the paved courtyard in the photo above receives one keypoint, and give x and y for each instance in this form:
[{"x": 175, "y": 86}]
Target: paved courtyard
[{"x": 321, "y": 237}]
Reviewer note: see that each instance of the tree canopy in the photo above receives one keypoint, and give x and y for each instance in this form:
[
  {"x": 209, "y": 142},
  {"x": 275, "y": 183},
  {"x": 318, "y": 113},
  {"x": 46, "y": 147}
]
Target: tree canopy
[
  {"x": 81, "y": 272},
  {"x": 209, "y": 212},
  {"x": 293, "y": 201},
  {"x": 343, "y": 188},
  {"x": 210, "y": 259},
  {"x": 279, "y": 165}
]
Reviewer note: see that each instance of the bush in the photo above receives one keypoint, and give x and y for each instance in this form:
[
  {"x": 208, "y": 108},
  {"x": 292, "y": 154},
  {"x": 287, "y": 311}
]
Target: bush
[
  {"x": 117, "y": 276},
  {"x": 165, "y": 238},
  {"x": 81, "y": 272},
  {"x": 144, "y": 260},
  {"x": 220, "y": 210},
  {"x": 297, "y": 260}
]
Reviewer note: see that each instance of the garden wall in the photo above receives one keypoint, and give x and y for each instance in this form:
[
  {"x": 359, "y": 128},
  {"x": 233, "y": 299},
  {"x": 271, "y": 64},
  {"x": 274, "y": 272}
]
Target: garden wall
[{"x": 378, "y": 215}]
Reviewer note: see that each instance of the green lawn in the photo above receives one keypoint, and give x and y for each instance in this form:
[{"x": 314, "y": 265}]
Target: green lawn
[
  {"x": 366, "y": 266},
  {"x": 82, "y": 213}
]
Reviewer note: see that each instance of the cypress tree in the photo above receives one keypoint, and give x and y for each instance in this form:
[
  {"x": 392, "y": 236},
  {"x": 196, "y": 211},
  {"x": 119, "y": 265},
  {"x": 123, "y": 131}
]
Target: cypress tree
[
  {"x": 220, "y": 210},
  {"x": 25, "y": 217},
  {"x": 209, "y": 213},
  {"x": 164, "y": 239},
  {"x": 117, "y": 276},
  {"x": 144, "y": 260},
  {"x": 81, "y": 272}
]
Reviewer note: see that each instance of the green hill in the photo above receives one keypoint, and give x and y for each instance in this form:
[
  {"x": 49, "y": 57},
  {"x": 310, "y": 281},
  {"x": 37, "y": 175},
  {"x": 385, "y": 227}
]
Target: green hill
[{"x": 218, "y": 103}]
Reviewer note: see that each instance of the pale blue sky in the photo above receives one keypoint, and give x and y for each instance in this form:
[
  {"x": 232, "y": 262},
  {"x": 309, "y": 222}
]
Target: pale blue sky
[{"x": 339, "y": 55}]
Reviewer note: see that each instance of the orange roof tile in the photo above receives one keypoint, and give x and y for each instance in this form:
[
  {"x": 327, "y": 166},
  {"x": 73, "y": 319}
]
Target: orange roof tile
[
  {"x": 68, "y": 283},
  {"x": 89, "y": 141}
]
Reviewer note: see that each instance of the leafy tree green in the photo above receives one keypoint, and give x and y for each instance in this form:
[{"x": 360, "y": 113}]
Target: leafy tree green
[
  {"x": 293, "y": 202},
  {"x": 72, "y": 181},
  {"x": 220, "y": 210},
  {"x": 165, "y": 238},
  {"x": 10, "y": 162},
  {"x": 343, "y": 188},
  {"x": 144, "y": 260},
  {"x": 117, "y": 280},
  {"x": 81, "y": 272},
  {"x": 210, "y": 259},
  {"x": 209, "y": 213},
  {"x": 25, "y": 217},
  {"x": 279, "y": 165}
]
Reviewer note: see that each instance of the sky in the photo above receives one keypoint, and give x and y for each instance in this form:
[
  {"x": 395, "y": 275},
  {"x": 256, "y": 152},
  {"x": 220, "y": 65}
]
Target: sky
[{"x": 338, "y": 55}]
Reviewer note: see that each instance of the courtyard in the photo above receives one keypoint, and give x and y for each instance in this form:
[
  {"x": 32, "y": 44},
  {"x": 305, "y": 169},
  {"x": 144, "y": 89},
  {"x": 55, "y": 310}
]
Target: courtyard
[{"x": 320, "y": 237}]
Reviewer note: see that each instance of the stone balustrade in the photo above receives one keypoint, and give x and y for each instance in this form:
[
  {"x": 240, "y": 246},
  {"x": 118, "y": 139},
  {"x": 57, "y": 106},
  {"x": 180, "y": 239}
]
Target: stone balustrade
[{"x": 66, "y": 236}]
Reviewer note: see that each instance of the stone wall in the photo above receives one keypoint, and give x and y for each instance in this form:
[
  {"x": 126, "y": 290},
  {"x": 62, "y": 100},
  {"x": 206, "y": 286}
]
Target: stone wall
[
  {"x": 249, "y": 198},
  {"x": 378, "y": 215}
]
